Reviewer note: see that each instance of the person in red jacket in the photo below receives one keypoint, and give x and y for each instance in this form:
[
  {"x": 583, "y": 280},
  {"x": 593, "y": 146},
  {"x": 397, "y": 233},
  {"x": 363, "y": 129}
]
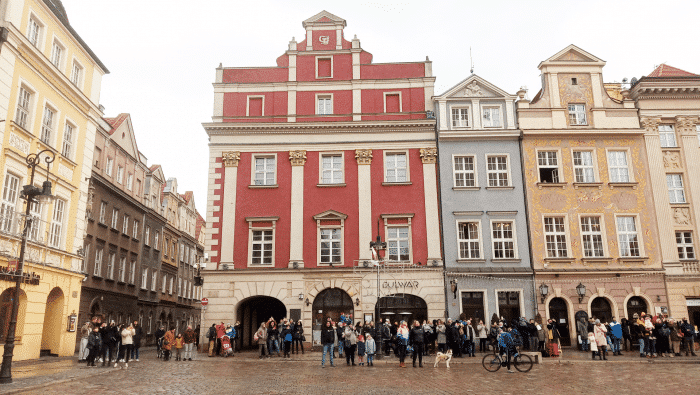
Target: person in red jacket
[{"x": 220, "y": 332}]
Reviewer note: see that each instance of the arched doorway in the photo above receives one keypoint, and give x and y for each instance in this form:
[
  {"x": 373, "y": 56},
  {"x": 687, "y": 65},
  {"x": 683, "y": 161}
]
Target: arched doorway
[
  {"x": 331, "y": 303},
  {"x": 559, "y": 313},
  {"x": 402, "y": 307},
  {"x": 636, "y": 305},
  {"x": 53, "y": 320},
  {"x": 252, "y": 311},
  {"x": 6, "y": 299},
  {"x": 601, "y": 310}
]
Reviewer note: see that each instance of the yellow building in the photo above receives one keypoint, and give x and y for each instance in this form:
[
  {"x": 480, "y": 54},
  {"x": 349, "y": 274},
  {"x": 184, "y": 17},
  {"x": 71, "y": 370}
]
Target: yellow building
[
  {"x": 592, "y": 218},
  {"x": 49, "y": 93}
]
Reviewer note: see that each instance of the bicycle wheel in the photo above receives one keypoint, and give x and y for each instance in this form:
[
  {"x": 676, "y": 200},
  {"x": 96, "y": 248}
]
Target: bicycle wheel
[
  {"x": 491, "y": 362},
  {"x": 523, "y": 363}
]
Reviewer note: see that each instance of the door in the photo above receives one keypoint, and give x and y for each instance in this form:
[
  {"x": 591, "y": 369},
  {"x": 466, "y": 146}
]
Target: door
[{"x": 559, "y": 312}]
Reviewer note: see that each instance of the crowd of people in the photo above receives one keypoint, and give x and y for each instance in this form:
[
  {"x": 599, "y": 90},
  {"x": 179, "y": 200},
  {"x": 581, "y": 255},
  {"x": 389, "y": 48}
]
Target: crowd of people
[
  {"x": 109, "y": 343},
  {"x": 287, "y": 337},
  {"x": 221, "y": 339}
]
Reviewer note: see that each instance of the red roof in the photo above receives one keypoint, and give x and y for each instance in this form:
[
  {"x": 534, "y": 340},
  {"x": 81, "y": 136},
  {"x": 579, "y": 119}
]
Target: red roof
[
  {"x": 187, "y": 196},
  {"x": 665, "y": 70},
  {"x": 116, "y": 122},
  {"x": 198, "y": 226}
]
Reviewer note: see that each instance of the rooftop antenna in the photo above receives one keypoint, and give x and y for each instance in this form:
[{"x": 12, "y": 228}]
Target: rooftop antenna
[{"x": 471, "y": 60}]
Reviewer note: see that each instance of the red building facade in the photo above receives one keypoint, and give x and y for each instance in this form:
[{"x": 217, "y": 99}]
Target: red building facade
[{"x": 310, "y": 161}]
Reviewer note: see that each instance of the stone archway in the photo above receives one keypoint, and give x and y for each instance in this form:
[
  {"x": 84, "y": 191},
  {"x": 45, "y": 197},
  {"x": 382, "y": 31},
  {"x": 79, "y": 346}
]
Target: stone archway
[
  {"x": 636, "y": 303},
  {"x": 252, "y": 311},
  {"x": 6, "y": 311},
  {"x": 601, "y": 308},
  {"x": 53, "y": 320}
]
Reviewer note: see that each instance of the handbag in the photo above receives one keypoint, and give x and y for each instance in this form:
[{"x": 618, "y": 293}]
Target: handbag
[{"x": 303, "y": 338}]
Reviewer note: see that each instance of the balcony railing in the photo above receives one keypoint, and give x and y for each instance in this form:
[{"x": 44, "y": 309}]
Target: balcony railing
[
  {"x": 12, "y": 224},
  {"x": 691, "y": 268}
]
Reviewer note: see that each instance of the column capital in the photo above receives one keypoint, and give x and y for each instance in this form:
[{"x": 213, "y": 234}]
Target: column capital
[
  {"x": 363, "y": 156},
  {"x": 297, "y": 157},
  {"x": 686, "y": 125},
  {"x": 428, "y": 155},
  {"x": 651, "y": 124},
  {"x": 231, "y": 158}
]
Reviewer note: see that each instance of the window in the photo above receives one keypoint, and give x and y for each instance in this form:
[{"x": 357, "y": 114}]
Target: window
[
  {"x": 583, "y": 166},
  {"x": 153, "y": 280},
  {"x": 469, "y": 240},
  {"x": 125, "y": 224},
  {"x": 392, "y": 102},
  {"x": 460, "y": 117},
  {"x": 464, "y": 171},
  {"x": 674, "y": 182},
  {"x": 47, "y": 125},
  {"x": 262, "y": 247},
  {"x": 108, "y": 168},
  {"x": 170, "y": 286},
  {"x": 491, "y": 117},
  {"x": 76, "y": 74},
  {"x": 144, "y": 278},
  {"x": 398, "y": 245},
  {"x": 9, "y": 200},
  {"x": 56, "y": 54},
  {"x": 86, "y": 254},
  {"x": 56, "y": 223},
  {"x": 627, "y": 237},
  {"x": 256, "y": 106},
  {"x": 617, "y": 165},
  {"x": 667, "y": 136},
  {"x": 67, "y": 148},
  {"x": 182, "y": 252},
  {"x": 324, "y": 67},
  {"x": 179, "y": 287},
  {"x": 98, "y": 263},
  {"x": 684, "y": 241},
  {"x": 548, "y": 166},
  {"x": 555, "y": 237},
  {"x": 332, "y": 169},
  {"x": 135, "y": 230},
  {"x": 265, "y": 170},
  {"x": 103, "y": 212},
  {"x": 120, "y": 174},
  {"x": 132, "y": 271},
  {"x": 396, "y": 167},
  {"x": 129, "y": 181},
  {"x": 155, "y": 241},
  {"x": 325, "y": 104},
  {"x": 577, "y": 114},
  {"x": 122, "y": 268},
  {"x": 592, "y": 235},
  {"x": 115, "y": 218},
  {"x": 331, "y": 251},
  {"x": 497, "y": 170},
  {"x": 22, "y": 114},
  {"x": 147, "y": 237},
  {"x": 35, "y": 212},
  {"x": 164, "y": 284},
  {"x": 574, "y": 81},
  {"x": 503, "y": 238},
  {"x": 110, "y": 265},
  {"x": 33, "y": 31}
]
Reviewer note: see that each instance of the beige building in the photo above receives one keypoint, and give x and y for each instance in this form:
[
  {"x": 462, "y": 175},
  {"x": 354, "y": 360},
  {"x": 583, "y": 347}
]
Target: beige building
[{"x": 668, "y": 100}]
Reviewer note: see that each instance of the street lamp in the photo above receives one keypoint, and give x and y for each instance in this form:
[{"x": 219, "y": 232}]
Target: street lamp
[
  {"x": 453, "y": 287},
  {"x": 31, "y": 194},
  {"x": 544, "y": 291},
  {"x": 581, "y": 291}
]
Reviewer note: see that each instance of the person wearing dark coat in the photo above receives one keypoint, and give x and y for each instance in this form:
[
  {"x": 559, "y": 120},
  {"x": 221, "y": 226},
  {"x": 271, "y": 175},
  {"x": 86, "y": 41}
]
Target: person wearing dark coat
[
  {"x": 286, "y": 337},
  {"x": 298, "y": 337},
  {"x": 159, "y": 335},
  {"x": 327, "y": 339},
  {"x": 109, "y": 342},
  {"x": 626, "y": 334},
  {"x": 416, "y": 339},
  {"x": 456, "y": 349},
  {"x": 137, "y": 341},
  {"x": 94, "y": 345}
]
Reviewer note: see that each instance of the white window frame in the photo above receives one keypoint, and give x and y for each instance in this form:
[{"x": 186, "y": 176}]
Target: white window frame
[
  {"x": 122, "y": 269},
  {"x": 560, "y": 173},
  {"x": 685, "y": 248},
  {"x": 565, "y": 233},
  {"x": 147, "y": 236},
  {"x": 251, "y": 228},
  {"x": 36, "y": 39},
  {"x": 56, "y": 43},
  {"x": 479, "y": 240},
  {"x": 489, "y": 107},
  {"x": 97, "y": 269},
  {"x": 592, "y": 234},
  {"x": 129, "y": 181},
  {"x": 57, "y": 219},
  {"x": 400, "y": 99},
  {"x": 155, "y": 240},
  {"x": 516, "y": 290},
  {"x": 79, "y": 69},
  {"x": 327, "y": 109},
  {"x": 109, "y": 167},
  {"x": 408, "y": 218},
  {"x": 86, "y": 250},
  {"x": 25, "y": 103},
  {"x": 495, "y": 240},
  {"x": 120, "y": 174},
  {"x": 316, "y": 65},
  {"x": 164, "y": 284},
  {"x": 667, "y": 136},
  {"x": 457, "y": 123},
  {"x": 154, "y": 280},
  {"x": 135, "y": 229},
  {"x": 253, "y": 170},
  {"x": 48, "y": 130},
  {"x": 132, "y": 270},
  {"x": 103, "y": 212},
  {"x": 110, "y": 264},
  {"x": 630, "y": 173},
  {"x": 115, "y": 218},
  {"x": 69, "y": 130},
  {"x": 637, "y": 232},
  {"x": 320, "y": 228},
  {"x": 507, "y": 171},
  {"x": 408, "y": 165},
  {"x": 144, "y": 278},
  {"x": 593, "y": 166},
  {"x": 247, "y": 104},
  {"x": 170, "y": 285},
  {"x": 675, "y": 187},
  {"x": 335, "y": 154},
  {"x": 473, "y": 172},
  {"x": 10, "y": 193},
  {"x": 125, "y": 224},
  {"x": 577, "y": 115}
]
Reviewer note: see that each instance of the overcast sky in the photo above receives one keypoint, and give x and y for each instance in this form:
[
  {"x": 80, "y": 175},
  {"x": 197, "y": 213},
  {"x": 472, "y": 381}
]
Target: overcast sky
[{"x": 162, "y": 54}]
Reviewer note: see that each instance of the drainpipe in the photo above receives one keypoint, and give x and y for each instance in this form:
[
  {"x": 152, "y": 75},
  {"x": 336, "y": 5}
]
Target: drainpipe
[
  {"x": 442, "y": 233},
  {"x": 527, "y": 225}
]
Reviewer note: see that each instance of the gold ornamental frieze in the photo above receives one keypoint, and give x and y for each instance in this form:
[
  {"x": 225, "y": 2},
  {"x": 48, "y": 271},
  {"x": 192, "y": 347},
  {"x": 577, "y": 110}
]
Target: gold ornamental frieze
[
  {"x": 297, "y": 157},
  {"x": 231, "y": 158},
  {"x": 363, "y": 156}
]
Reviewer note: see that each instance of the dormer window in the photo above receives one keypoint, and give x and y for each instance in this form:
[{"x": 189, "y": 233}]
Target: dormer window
[{"x": 577, "y": 114}]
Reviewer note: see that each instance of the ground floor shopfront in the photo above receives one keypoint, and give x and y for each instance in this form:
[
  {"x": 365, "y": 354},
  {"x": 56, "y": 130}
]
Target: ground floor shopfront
[
  {"x": 314, "y": 295},
  {"x": 684, "y": 296},
  {"x": 603, "y": 295}
]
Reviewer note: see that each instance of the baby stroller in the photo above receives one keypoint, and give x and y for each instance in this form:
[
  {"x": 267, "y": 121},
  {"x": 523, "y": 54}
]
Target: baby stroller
[{"x": 226, "y": 349}]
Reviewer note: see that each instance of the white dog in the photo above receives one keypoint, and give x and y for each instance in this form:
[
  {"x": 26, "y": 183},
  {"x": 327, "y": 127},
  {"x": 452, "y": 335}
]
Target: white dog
[{"x": 447, "y": 357}]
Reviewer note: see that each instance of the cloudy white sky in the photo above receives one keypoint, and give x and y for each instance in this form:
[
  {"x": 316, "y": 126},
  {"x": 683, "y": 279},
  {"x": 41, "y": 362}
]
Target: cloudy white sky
[{"x": 162, "y": 53}]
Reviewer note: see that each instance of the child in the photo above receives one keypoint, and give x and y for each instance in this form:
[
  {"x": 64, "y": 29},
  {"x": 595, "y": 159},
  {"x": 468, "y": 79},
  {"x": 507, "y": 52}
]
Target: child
[
  {"x": 179, "y": 343},
  {"x": 361, "y": 350},
  {"x": 287, "y": 338},
  {"x": 370, "y": 349}
]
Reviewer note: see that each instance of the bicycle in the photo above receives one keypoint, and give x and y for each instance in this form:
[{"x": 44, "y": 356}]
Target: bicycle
[{"x": 493, "y": 362}]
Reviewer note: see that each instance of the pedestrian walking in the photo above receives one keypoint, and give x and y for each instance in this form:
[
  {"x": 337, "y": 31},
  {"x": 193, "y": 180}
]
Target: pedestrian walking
[
  {"x": 168, "y": 342},
  {"x": 159, "y": 340}
]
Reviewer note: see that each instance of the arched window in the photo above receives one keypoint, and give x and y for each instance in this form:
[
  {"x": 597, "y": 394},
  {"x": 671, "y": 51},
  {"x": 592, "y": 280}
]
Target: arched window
[{"x": 6, "y": 311}]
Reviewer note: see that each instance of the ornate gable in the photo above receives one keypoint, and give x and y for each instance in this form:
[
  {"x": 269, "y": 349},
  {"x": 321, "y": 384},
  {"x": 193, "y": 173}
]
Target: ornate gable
[
  {"x": 474, "y": 87},
  {"x": 324, "y": 18},
  {"x": 573, "y": 53},
  {"x": 330, "y": 215}
]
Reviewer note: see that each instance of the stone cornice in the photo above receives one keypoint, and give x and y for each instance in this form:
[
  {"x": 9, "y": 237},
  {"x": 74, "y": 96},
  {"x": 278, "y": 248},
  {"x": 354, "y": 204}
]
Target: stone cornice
[{"x": 231, "y": 128}]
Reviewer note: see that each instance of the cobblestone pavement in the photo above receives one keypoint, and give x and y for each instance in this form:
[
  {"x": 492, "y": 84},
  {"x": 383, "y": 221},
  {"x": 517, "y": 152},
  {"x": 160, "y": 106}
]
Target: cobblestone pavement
[{"x": 245, "y": 374}]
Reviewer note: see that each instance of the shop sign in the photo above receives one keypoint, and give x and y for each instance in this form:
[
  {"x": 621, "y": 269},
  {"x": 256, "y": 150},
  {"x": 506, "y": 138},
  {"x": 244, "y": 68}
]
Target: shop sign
[
  {"x": 400, "y": 284},
  {"x": 10, "y": 274}
]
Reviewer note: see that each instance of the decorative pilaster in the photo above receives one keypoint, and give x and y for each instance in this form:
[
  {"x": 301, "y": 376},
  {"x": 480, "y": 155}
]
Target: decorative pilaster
[
  {"x": 364, "y": 199},
  {"x": 651, "y": 125},
  {"x": 228, "y": 208},
  {"x": 432, "y": 224},
  {"x": 296, "y": 234},
  {"x": 686, "y": 127},
  {"x": 428, "y": 155},
  {"x": 363, "y": 156}
]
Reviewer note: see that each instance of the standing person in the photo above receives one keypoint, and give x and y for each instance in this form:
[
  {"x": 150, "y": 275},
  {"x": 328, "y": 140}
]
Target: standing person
[
  {"x": 361, "y": 349},
  {"x": 286, "y": 337},
  {"x": 471, "y": 336},
  {"x": 441, "y": 336},
  {"x": 650, "y": 337},
  {"x": 416, "y": 338},
  {"x": 327, "y": 339},
  {"x": 541, "y": 337},
  {"x": 615, "y": 336},
  {"x": 168, "y": 341},
  {"x": 197, "y": 334},
  {"x": 85, "y": 331},
  {"x": 211, "y": 335},
  {"x": 688, "y": 337},
  {"x": 190, "y": 338},
  {"x": 402, "y": 343},
  {"x": 138, "y": 334},
  {"x": 582, "y": 333},
  {"x": 386, "y": 337},
  {"x": 350, "y": 339},
  {"x": 675, "y": 338},
  {"x": 220, "y": 332},
  {"x": 261, "y": 337},
  {"x": 179, "y": 344},
  {"x": 481, "y": 329},
  {"x": 272, "y": 338},
  {"x": 108, "y": 342},
  {"x": 601, "y": 340},
  {"x": 626, "y": 334},
  {"x": 371, "y": 349},
  {"x": 427, "y": 333},
  {"x": 94, "y": 345},
  {"x": 298, "y": 337},
  {"x": 127, "y": 336},
  {"x": 340, "y": 329},
  {"x": 159, "y": 340}
]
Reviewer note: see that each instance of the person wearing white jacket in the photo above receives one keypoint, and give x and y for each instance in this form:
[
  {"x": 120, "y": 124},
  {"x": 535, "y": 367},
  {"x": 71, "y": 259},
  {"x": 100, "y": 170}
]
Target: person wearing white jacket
[{"x": 127, "y": 334}]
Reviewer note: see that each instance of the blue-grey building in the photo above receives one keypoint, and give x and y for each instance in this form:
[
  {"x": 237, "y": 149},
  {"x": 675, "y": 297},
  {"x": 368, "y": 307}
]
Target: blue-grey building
[{"x": 486, "y": 246}]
